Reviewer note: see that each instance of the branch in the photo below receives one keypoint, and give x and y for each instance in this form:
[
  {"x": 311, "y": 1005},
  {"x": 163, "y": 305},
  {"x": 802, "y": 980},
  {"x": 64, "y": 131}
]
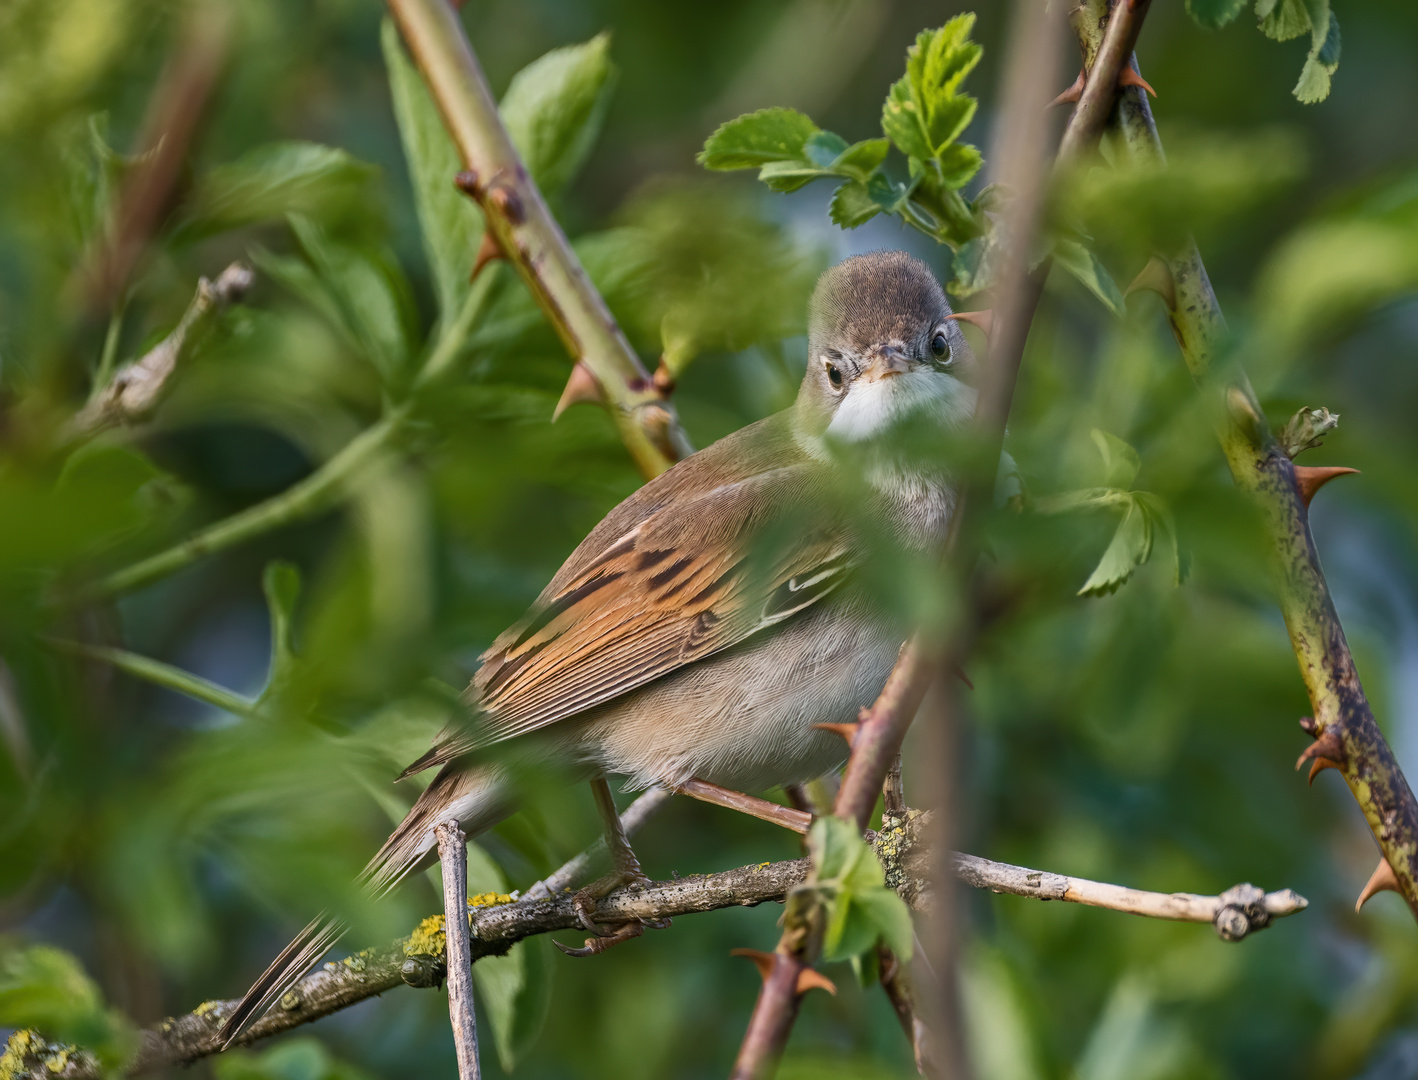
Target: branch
[
  {"x": 1347, "y": 736},
  {"x": 458, "y": 954},
  {"x": 419, "y": 960},
  {"x": 135, "y": 392},
  {"x": 525, "y": 233}
]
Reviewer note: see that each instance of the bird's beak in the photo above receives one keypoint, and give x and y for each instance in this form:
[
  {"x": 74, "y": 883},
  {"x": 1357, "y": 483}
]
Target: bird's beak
[{"x": 886, "y": 361}]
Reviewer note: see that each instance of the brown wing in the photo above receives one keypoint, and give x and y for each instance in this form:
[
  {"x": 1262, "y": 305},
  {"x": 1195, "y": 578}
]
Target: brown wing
[{"x": 687, "y": 581}]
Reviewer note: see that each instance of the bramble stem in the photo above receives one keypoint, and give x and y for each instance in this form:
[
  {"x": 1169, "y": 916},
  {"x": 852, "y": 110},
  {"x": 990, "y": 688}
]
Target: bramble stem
[{"x": 1260, "y": 467}]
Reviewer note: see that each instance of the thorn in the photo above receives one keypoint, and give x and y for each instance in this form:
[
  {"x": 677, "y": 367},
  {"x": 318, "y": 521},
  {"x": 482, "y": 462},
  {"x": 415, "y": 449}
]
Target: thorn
[
  {"x": 960, "y": 674},
  {"x": 847, "y": 731},
  {"x": 1326, "y": 752},
  {"x": 1129, "y": 77},
  {"x": 812, "y": 979},
  {"x": 467, "y": 182},
  {"x": 1072, "y": 94},
  {"x": 581, "y": 386},
  {"x": 1157, "y": 276},
  {"x": 984, "y": 320},
  {"x": 488, "y": 250},
  {"x": 1382, "y": 878},
  {"x": 1310, "y": 478},
  {"x": 808, "y": 978},
  {"x": 763, "y": 961}
]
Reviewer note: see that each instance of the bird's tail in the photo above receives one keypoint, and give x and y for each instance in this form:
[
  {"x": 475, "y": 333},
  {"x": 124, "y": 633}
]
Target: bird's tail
[{"x": 477, "y": 797}]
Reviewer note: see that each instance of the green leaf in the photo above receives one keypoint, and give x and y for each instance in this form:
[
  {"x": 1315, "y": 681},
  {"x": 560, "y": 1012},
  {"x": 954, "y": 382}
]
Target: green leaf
[
  {"x": 367, "y": 293},
  {"x": 1129, "y": 549},
  {"x": 271, "y": 181},
  {"x": 1086, "y": 267},
  {"x": 450, "y": 222},
  {"x": 957, "y": 163},
  {"x": 837, "y": 851},
  {"x": 1285, "y": 19},
  {"x": 295, "y": 1059},
  {"x": 888, "y": 913},
  {"x": 824, "y": 148},
  {"x": 861, "y": 159},
  {"x": 1120, "y": 460},
  {"x": 852, "y": 206},
  {"x": 758, "y": 138},
  {"x": 46, "y": 988},
  {"x": 554, "y": 107},
  {"x": 850, "y": 929},
  {"x": 924, "y": 110},
  {"x": 1214, "y": 14},
  {"x": 281, "y": 584},
  {"x": 784, "y": 176},
  {"x": 1320, "y": 65}
]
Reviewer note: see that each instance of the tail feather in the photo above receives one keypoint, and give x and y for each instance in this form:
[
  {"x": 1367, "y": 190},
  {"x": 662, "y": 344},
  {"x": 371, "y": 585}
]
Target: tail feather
[
  {"x": 285, "y": 971},
  {"x": 476, "y": 797}
]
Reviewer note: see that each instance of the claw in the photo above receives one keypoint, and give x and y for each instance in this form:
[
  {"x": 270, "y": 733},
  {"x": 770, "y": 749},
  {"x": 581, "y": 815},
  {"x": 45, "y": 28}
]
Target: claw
[
  {"x": 808, "y": 979},
  {"x": 1326, "y": 752},
  {"x": 1310, "y": 478},
  {"x": 847, "y": 731},
  {"x": 597, "y": 945},
  {"x": 1382, "y": 878},
  {"x": 1157, "y": 276},
  {"x": 581, "y": 386},
  {"x": 984, "y": 320},
  {"x": 1072, "y": 94}
]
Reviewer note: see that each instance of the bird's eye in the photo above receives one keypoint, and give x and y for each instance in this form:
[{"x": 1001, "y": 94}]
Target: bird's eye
[
  {"x": 834, "y": 376},
  {"x": 939, "y": 345}
]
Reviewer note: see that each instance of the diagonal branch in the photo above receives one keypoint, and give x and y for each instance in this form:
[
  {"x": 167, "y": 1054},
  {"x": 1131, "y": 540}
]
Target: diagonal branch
[
  {"x": 526, "y": 234},
  {"x": 419, "y": 960},
  {"x": 1346, "y": 733}
]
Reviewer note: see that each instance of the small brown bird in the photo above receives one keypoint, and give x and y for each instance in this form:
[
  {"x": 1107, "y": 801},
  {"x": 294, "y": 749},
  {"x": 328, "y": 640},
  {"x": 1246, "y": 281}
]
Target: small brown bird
[{"x": 713, "y": 618}]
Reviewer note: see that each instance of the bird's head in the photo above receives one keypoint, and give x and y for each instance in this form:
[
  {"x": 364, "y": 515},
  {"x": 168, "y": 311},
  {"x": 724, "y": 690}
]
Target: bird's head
[{"x": 882, "y": 350}]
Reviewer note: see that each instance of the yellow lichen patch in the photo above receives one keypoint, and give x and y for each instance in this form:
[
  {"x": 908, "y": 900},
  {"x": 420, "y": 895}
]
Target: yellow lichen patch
[
  {"x": 764, "y": 865},
  {"x": 206, "y": 1007},
  {"x": 24, "y": 1048},
  {"x": 428, "y": 938},
  {"x": 57, "y": 1062},
  {"x": 489, "y": 899}
]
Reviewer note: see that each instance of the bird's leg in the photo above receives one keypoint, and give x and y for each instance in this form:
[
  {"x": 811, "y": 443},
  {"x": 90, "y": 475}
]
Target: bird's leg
[
  {"x": 797, "y": 820},
  {"x": 625, "y": 870}
]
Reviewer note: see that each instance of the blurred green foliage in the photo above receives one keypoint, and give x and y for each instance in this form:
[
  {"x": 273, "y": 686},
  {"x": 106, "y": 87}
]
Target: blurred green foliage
[{"x": 156, "y": 851}]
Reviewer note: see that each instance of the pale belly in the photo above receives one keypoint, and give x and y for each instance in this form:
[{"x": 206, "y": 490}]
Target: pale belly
[{"x": 744, "y": 719}]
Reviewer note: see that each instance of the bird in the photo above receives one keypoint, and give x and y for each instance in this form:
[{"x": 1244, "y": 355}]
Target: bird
[{"x": 715, "y": 618}]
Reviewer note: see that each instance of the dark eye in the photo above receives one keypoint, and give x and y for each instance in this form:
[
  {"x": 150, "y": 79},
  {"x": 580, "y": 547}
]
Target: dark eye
[
  {"x": 939, "y": 345},
  {"x": 833, "y": 375}
]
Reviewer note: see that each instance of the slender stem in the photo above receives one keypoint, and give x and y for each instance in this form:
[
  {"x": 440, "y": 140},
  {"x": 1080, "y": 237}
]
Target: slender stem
[
  {"x": 315, "y": 493},
  {"x": 161, "y": 674},
  {"x": 109, "y": 357},
  {"x": 577, "y": 869},
  {"x": 452, "y": 337},
  {"x": 530, "y": 238},
  {"x": 453, "y": 855},
  {"x": 1260, "y": 467}
]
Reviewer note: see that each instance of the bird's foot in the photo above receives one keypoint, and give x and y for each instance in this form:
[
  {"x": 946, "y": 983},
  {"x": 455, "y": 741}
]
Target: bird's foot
[{"x": 608, "y": 936}]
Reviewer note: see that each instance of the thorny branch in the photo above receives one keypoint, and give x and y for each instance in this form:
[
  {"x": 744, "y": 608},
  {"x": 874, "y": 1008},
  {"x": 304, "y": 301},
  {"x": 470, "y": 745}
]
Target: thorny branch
[
  {"x": 1347, "y": 737},
  {"x": 419, "y": 959},
  {"x": 525, "y": 233}
]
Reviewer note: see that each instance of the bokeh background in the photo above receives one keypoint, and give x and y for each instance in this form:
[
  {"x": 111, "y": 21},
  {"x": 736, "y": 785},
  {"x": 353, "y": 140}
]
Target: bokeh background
[{"x": 170, "y": 848}]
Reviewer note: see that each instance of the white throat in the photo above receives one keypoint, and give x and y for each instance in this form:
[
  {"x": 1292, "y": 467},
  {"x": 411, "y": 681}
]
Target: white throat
[{"x": 871, "y": 409}]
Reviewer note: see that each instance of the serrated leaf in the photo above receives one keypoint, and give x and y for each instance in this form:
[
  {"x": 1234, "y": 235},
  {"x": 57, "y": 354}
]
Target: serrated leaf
[
  {"x": 554, "y": 107},
  {"x": 1283, "y": 19},
  {"x": 823, "y": 148},
  {"x": 924, "y": 111},
  {"x": 957, "y": 163},
  {"x": 450, "y": 222},
  {"x": 861, "y": 159},
  {"x": 1120, "y": 460},
  {"x": 850, "y": 930},
  {"x": 902, "y": 122},
  {"x": 1090, "y": 272},
  {"x": 784, "y": 176},
  {"x": 758, "y": 138},
  {"x": 1320, "y": 65},
  {"x": 1214, "y": 14},
  {"x": 852, "y": 206},
  {"x": 890, "y": 916},
  {"x": 271, "y": 181},
  {"x": 1129, "y": 548}
]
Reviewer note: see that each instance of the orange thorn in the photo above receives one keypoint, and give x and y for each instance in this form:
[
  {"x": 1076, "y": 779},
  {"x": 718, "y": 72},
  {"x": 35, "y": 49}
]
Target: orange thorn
[
  {"x": 808, "y": 979},
  {"x": 847, "y": 731},
  {"x": 1326, "y": 752},
  {"x": 1156, "y": 276},
  {"x": 1382, "y": 878},
  {"x": 1129, "y": 77},
  {"x": 812, "y": 979},
  {"x": 763, "y": 961},
  {"x": 488, "y": 250},
  {"x": 984, "y": 320},
  {"x": 1072, "y": 94},
  {"x": 581, "y": 386},
  {"x": 1310, "y": 478}
]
